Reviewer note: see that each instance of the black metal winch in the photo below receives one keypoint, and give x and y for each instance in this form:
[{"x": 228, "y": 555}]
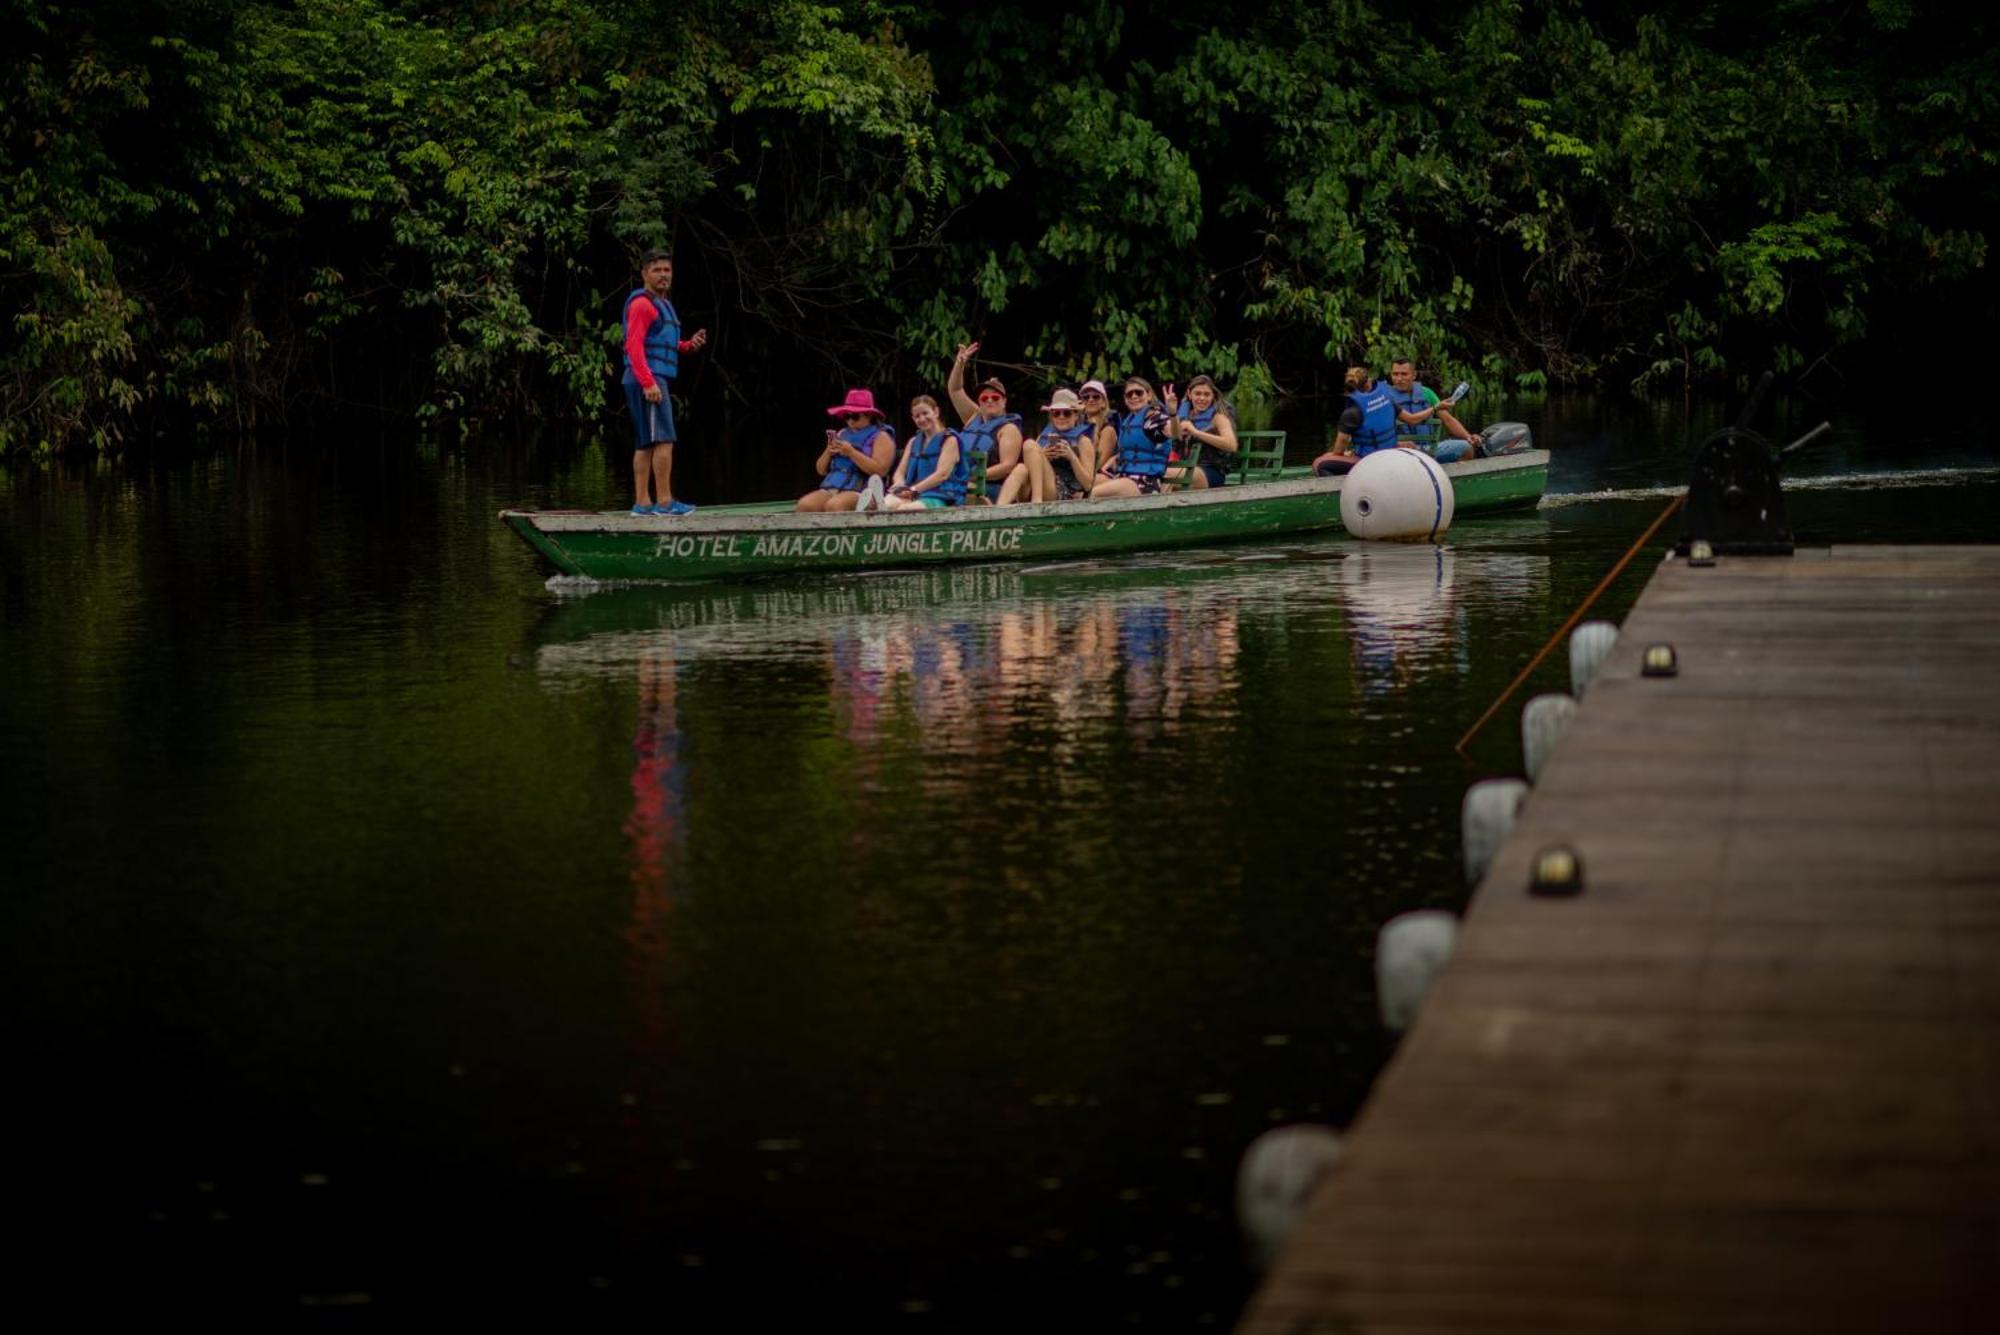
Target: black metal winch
[{"x": 1735, "y": 500}]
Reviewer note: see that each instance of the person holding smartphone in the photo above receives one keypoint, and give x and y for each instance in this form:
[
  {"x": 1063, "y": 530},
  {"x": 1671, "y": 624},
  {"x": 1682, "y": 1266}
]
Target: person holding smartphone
[{"x": 862, "y": 449}]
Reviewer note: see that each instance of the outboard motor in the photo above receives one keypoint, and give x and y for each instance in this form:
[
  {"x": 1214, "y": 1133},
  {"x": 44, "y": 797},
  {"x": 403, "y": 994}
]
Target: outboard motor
[
  {"x": 1505, "y": 438},
  {"x": 1735, "y": 501}
]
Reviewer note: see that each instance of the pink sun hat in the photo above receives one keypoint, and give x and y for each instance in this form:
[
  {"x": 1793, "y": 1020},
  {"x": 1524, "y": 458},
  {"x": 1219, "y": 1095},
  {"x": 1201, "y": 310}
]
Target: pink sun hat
[{"x": 858, "y": 401}]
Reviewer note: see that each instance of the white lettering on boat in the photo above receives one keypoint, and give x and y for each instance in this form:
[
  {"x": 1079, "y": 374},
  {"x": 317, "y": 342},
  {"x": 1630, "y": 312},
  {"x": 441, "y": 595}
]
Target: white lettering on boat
[
  {"x": 990, "y": 540},
  {"x": 904, "y": 544},
  {"x": 825, "y": 546}
]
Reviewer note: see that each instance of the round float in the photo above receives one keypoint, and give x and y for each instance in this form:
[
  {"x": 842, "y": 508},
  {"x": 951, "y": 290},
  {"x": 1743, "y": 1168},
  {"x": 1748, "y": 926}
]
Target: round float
[{"x": 1397, "y": 496}]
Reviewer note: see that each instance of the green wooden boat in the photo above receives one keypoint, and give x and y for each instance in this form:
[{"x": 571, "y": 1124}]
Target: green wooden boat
[{"x": 735, "y": 541}]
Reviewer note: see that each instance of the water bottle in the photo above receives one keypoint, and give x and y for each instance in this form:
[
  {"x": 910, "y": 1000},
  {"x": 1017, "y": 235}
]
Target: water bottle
[{"x": 1458, "y": 394}]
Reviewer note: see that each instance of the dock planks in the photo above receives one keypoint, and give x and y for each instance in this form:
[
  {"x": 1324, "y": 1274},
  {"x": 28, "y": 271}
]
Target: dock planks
[{"x": 1750, "y": 1080}]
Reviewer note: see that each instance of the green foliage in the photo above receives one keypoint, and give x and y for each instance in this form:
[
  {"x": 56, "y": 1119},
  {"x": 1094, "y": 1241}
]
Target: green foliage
[{"x": 219, "y": 207}]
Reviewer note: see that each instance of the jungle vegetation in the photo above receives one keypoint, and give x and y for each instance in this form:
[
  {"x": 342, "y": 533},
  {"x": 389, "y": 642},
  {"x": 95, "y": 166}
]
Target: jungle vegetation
[{"x": 234, "y": 212}]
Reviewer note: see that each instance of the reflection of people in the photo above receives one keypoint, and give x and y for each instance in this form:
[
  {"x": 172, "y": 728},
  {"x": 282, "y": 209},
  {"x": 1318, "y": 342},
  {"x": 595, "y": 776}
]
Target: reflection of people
[
  {"x": 1205, "y": 432},
  {"x": 658, "y": 778},
  {"x": 1367, "y": 424},
  {"x": 862, "y": 449},
  {"x": 932, "y": 473},
  {"x": 1142, "y": 446},
  {"x": 989, "y": 432},
  {"x": 1418, "y": 413},
  {"x": 656, "y": 835},
  {"x": 653, "y": 348}
]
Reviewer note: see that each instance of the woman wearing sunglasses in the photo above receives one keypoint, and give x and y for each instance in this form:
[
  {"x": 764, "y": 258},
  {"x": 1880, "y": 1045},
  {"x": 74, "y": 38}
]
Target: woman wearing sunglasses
[
  {"x": 862, "y": 449},
  {"x": 1055, "y": 465},
  {"x": 1141, "y": 443},
  {"x": 990, "y": 431}
]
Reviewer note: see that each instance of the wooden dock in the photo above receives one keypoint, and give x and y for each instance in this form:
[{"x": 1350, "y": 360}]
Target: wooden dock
[{"x": 1750, "y": 1079}]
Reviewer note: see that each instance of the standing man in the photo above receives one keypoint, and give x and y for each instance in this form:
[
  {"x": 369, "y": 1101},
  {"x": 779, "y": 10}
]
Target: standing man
[{"x": 653, "y": 348}]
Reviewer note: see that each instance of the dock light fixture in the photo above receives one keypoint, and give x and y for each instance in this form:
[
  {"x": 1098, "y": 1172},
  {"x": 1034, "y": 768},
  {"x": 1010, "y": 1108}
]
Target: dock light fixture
[
  {"x": 1558, "y": 872},
  {"x": 1659, "y": 660},
  {"x": 1700, "y": 553}
]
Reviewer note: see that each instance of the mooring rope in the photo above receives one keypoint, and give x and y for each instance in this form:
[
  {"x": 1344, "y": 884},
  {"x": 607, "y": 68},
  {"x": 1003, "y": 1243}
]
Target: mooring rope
[{"x": 1563, "y": 630}]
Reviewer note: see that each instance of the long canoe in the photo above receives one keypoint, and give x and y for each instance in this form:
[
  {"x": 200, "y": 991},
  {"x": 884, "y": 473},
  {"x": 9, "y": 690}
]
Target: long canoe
[{"x": 735, "y": 541}]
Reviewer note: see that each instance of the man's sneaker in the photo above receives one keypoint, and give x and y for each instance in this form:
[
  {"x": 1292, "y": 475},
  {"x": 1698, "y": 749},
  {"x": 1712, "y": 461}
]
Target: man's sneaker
[
  {"x": 675, "y": 508},
  {"x": 643, "y": 510}
]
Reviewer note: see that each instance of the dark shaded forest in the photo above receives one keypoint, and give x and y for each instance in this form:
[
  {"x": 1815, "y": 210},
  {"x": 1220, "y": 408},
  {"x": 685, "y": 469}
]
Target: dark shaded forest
[{"x": 231, "y": 214}]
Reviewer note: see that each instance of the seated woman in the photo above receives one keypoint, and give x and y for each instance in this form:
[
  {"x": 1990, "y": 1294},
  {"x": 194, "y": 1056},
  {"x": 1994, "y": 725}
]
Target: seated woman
[
  {"x": 1097, "y": 412},
  {"x": 1142, "y": 432},
  {"x": 1054, "y": 465},
  {"x": 1205, "y": 430},
  {"x": 1367, "y": 424},
  {"x": 862, "y": 449},
  {"x": 990, "y": 433},
  {"x": 933, "y": 469}
]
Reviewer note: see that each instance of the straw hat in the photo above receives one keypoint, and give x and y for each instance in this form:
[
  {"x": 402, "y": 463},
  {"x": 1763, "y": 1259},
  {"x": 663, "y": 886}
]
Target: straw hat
[{"x": 1064, "y": 400}]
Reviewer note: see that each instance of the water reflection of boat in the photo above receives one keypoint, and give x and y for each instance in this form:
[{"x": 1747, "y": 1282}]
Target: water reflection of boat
[
  {"x": 611, "y": 631},
  {"x": 732, "y": 541}
]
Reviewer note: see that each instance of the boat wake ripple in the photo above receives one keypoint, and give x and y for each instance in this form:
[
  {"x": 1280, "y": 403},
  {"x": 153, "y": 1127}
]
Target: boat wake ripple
[{"x": 1913, "y": 477}]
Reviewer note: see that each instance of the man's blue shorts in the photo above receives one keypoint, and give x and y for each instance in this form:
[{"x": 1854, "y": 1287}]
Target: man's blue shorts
[{"x": 652, "y": 423}]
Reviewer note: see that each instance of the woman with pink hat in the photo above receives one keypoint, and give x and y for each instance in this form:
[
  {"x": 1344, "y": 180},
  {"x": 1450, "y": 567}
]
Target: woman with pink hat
[{"x": 863, "y": 449}]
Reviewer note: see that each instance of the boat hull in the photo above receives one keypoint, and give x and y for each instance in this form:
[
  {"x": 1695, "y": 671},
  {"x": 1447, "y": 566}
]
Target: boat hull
[{"x": 734, "y": 542}]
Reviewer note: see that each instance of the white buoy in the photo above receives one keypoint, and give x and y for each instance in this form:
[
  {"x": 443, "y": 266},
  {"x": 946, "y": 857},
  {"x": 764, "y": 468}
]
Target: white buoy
[
  {"x": 1543, "y": 721},
  {"x": 1485, "y": 819},
  {"x": 1274, "y": 1182},
  {"x": 1409, "y": 951},
  {"x": 1589, "y": 645},
  {"x": 1397, "y": 496}
]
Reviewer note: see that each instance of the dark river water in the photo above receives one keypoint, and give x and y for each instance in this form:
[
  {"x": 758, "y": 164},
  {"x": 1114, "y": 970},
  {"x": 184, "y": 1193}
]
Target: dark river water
[{"x": 391, "y": 930}]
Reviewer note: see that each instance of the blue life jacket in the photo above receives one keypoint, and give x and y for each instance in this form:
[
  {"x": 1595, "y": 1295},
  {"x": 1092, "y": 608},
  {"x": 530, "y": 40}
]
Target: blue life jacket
[
  {"x": 843, "y": 474},
  {"x": 981, "y": 434},
  {"x": 1081, "y": 431},
  {"x": 663, "y": 339},
  {"x": 1415, "y": 401},
  {"x": 1378, "y": 420},
  {"x": 1203, "y": 421},
  {"x": 1139, "y": 455},
  {"x": 925, "y": 451},
  {"x": 1075, "y": 435}
]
